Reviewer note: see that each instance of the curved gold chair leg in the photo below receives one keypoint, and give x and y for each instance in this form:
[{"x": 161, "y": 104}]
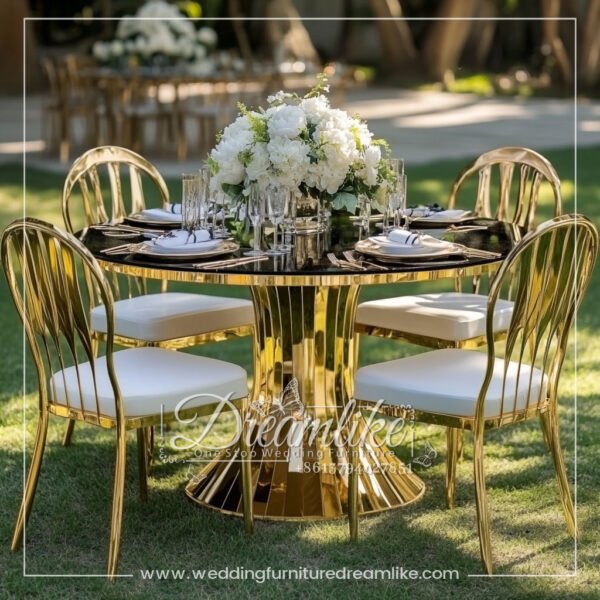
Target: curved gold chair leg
[
  {"x": 149, "y": 449},
  {"x": 246, "y": 468},
  {"x": 453, "y": 445},
  {"x": 32, "y": 480},
  {"x": 66, "y": 441},
  {"x": 117, "y": 507},
  {"x": 551, "y": 425},
  {"x": 483, "y": 523},
  {"x": 546, "y": 430},
  {"x": 354, "y": 452},
  {"x": 461, "y": 444},
  {"x": 142, "y": 451}
]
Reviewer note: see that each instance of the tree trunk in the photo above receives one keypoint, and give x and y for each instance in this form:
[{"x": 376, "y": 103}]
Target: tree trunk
[
  {"x": 551, "y": 9},
  {"x": 446, "y": 39},
  {"x": 288, "y": 38},
  {"x": 235, "y": 11},
  {"x": 12, "y": 13},
  {"x": 590, "y": 47},
  {"x": 396, "y": 38}
]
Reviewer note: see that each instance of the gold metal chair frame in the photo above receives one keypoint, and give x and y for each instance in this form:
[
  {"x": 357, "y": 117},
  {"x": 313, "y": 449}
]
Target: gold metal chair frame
[
  {"x": 533, "y": 169},
  {"x": 552, "y": 267},
  {"x": 53, "y": 279},
  {"x": 84, "y": 173}
]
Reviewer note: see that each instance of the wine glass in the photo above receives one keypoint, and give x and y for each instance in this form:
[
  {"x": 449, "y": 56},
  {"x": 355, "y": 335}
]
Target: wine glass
[
  {"x": 219, "y": 207},
  {"x": 364, "y": 214},
  {"x": 256, "y": 212},
  {"x": 289, "y": 223},
  {"x": 277, "y": 197}
]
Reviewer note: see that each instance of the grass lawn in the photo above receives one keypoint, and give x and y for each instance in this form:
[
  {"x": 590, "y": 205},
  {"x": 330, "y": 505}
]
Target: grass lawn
[{"x": 69, "y": 528}]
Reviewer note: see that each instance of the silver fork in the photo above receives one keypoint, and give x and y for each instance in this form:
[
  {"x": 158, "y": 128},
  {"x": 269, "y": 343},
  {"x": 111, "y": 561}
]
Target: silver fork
[
  {"x": 344, "y": 264},
  {"x": 349, "y": 256},
  {"x": 123, "y": 249}
]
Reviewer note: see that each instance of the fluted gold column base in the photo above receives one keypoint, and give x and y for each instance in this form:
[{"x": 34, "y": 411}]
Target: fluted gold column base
[{"x": 306, "y": 334}]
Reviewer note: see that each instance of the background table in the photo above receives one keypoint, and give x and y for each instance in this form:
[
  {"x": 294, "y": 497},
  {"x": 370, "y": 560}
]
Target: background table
[{"x": 305, "y": 309}]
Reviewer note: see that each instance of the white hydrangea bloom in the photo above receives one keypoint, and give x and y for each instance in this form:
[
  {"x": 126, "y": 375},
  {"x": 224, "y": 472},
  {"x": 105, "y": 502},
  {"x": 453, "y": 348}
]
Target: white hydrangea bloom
[{"x": 288, "y": 121}]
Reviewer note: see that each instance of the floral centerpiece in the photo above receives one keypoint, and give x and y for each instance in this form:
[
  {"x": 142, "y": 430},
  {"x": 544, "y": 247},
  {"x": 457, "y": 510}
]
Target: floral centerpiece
[
  {"x": 158, "y": 35},
  {"x": 305, "y": 145}
]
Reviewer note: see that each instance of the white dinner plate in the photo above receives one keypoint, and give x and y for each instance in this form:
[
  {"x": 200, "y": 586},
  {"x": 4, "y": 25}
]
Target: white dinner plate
[
  {"x": 192, "y": 251},
  {"x": 410, "y": 253},
  {"x": 441, "y": 219},
  {"x": 427, "y": 246},
  {"x": 156, "y": 219}
]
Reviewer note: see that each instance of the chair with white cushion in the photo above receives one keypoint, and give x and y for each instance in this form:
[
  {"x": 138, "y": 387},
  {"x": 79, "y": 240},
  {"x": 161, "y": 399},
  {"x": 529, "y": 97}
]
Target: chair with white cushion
[
  {"x": 134, "y": 388},
  {"x": 518, "y": 378},
  {"x": 166, "y": 319},
  {"x": 457, "y": 319}
]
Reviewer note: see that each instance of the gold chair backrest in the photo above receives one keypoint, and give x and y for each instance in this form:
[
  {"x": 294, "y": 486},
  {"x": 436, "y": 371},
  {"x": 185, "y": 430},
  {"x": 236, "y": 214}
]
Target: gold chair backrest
[
  {"x": 548, "y": 273},
  {"x": 54, "y": 280},
  {"x": 532, "y": 168},
  {"x": 97, "y": 205}
]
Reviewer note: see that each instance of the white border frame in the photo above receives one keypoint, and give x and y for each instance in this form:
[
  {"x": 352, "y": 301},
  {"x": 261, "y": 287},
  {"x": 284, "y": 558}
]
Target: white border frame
[{"x": 573, "y": 20}]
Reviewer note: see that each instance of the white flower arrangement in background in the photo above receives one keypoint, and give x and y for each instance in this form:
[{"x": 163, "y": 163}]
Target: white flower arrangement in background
[
  {"x": 304, "y": 145},
  {"x": 159, "y": 30}
]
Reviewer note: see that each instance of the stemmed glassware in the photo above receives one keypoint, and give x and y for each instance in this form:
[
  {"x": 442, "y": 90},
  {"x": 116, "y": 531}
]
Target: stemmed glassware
[
  {"x": 396, "y": 208},
  {"x": 191, "y": 201},
  {"x": 364, "y": 215},
  {"x": 219, "y": 208},
  {"x": 277, "y": 198},
  {"x": 256, "y": 212},
  {"x": 289, "y": 223}
]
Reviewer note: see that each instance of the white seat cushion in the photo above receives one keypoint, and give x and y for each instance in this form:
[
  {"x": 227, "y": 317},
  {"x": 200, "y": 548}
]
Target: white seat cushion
[
  {"x": 447, "y": 316},
  {"x": 448, "y": 382},
  {"x": 149, "y": 378},
  {"x": 156, "y": 317}
]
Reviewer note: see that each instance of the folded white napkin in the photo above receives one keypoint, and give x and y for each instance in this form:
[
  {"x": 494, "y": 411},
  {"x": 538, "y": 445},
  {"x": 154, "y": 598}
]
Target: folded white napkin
[
  {"x": 182, "y": 237},
  {"x": 403, "y": 236},
  {"x": 172, "y": 213},
  {"x": 402, "y": 241}
]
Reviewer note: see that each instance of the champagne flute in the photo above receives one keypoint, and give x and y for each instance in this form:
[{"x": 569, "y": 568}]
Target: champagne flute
[
  {"x": 277, "y": 197},
  {"x": 190, "y": 202},
  {"x": 256, "y": 212},
  {"x": 289, "y": 223}
]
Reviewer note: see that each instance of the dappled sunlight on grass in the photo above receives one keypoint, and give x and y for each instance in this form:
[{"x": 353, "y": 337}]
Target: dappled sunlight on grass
[{"x": 69, "y": 528}]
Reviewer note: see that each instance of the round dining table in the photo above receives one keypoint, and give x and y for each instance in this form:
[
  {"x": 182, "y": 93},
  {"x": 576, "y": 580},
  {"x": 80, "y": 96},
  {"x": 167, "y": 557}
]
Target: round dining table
[{"x": 305, "y": 350}]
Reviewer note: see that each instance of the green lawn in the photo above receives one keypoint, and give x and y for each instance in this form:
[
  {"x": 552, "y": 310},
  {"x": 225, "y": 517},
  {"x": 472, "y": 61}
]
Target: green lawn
[{"x": 68, "y": 531}]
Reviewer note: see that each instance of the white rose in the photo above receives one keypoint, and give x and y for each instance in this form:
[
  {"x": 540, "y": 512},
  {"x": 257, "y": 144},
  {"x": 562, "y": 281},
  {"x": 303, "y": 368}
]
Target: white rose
[
  {"x": 101, "y": 51},
  {"x": 372, "y": 158},
  {"x": 116, "y": 48},
  {"x": 207, "y": 36},
  {"x": 288, "y": 122}
]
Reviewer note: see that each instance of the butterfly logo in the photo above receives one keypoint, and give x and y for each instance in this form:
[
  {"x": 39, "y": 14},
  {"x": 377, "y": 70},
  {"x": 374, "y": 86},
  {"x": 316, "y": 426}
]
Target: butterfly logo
[
  {"x": 287, "y": 405},
  {"x": 426, "y": 458}
]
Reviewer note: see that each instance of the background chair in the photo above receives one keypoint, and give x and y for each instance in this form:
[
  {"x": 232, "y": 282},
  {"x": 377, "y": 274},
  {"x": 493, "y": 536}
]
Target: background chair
[
  {"x": 167, "y": 319},
  {"x": 548, "y": 273},
  {"x": 131, "y": 389}
]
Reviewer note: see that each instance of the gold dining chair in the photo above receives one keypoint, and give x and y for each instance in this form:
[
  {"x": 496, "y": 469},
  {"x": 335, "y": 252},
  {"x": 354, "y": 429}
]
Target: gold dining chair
[
  {"x": 457, "y": 319},
  {"x": 167, "y": 319},
  {"x": 547, "y": 273},
  {"x": 54, "y": 281}
]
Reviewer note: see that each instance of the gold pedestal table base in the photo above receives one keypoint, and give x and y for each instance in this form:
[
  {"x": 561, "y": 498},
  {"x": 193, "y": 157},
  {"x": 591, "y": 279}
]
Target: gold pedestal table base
[{"x": 305, "y": 347}]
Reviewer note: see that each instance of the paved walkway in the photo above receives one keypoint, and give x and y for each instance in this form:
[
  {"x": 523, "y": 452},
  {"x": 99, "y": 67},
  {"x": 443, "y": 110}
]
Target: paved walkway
[{"x": 420, "y": 126}]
